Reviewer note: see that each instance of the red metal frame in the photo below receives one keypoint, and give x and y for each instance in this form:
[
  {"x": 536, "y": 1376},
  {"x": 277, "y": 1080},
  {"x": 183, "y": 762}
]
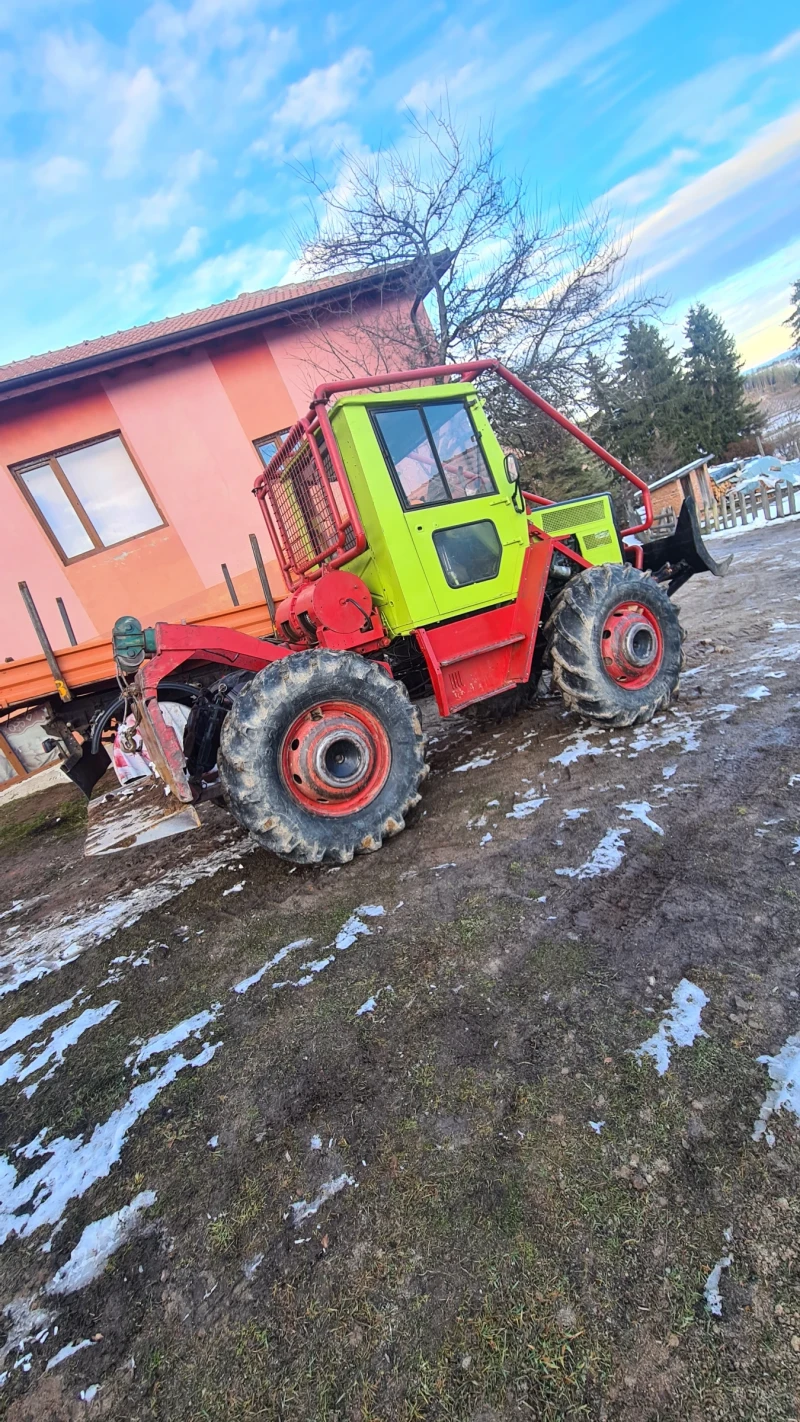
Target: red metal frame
[
  {"x": 177, "y": 643},
  {"x": 468, "y": 370},
  {"x": 348, "y": 523}
]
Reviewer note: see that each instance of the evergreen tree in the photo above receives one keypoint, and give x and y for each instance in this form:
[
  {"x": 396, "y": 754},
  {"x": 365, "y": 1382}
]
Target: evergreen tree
[
  {"x": 717, "y": 409},
  {"x": 793, "y": 321},
  {"x": 640, "y": 406}
]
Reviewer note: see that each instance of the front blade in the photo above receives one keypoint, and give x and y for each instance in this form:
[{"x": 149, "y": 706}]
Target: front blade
[{"x": 135, "y": 814}]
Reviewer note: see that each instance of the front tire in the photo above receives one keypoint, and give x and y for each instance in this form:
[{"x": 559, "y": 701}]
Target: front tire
[
  {"x": 615, "y": 643},
  {"x": 321, "y": 757}
]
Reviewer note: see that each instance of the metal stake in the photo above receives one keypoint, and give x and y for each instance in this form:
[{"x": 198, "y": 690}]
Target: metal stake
[
  {"x": 44, "y": 642},
  {"x": 262, "y": 573},
  {"x": 73, "y": 641},
  {"x": 229, "y": 581}
]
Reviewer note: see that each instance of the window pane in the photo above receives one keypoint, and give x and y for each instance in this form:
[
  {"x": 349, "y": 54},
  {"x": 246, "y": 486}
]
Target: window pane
[
  {"x": 268, "y": 447},
  {"x": 110, "y": 490},
  {"x": 469, "y": 554},
  {"x": 458, "y": 449},
  {"x": 412, "y": 456},
  {"x": 57, "y": 510}
]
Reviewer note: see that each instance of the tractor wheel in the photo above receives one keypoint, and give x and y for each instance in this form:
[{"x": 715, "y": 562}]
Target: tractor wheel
[
  {"x": 615, "y": 643},
  {"x": 321, "y": 757}
]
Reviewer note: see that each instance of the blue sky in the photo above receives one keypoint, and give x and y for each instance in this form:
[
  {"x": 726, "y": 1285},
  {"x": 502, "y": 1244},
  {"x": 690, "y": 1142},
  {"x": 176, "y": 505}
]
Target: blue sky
[{"x": 149, "y": 151}]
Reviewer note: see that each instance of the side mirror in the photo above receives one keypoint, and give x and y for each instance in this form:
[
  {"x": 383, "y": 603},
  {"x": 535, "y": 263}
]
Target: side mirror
[{"x": 512, "y": 468}]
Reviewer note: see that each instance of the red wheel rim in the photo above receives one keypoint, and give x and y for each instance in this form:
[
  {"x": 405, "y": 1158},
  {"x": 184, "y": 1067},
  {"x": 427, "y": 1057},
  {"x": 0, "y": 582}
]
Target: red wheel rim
[
  {"x": 632, "y": 645},
  {"x": 335, "y": 758}
]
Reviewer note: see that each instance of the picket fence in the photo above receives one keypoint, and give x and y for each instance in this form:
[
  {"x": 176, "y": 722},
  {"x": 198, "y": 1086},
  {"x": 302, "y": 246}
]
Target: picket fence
[{"x": 736, "y": 509}]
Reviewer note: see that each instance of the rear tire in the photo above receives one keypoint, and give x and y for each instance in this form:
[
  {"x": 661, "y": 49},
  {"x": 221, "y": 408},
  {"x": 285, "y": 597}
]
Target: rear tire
[
  {"x": 321, "y": 757},
  {"x": 615, "y": 643}
]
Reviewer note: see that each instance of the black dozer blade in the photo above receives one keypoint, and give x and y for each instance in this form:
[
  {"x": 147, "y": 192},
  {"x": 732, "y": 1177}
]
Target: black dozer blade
[
  {"x": 676, "y": 559},
  {"x": 86, "y": 769}
]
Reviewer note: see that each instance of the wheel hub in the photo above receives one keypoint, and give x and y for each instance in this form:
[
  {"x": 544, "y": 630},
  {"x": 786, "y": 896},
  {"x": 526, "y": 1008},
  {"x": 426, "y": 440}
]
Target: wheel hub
[
  {"x": 335, "y": 758},
  {"x": 632, "y": 645}
]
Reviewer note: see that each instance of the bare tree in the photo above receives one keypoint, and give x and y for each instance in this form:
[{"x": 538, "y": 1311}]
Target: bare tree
[{"x": 491, "y": 270}]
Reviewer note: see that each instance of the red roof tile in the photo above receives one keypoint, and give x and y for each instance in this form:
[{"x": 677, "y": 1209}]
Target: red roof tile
[{"x": 125, "y": 343}]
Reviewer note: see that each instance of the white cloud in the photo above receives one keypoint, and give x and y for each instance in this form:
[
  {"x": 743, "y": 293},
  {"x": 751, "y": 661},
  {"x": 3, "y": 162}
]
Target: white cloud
[
  {"x": 648, "y": 182},
  {"x": 140, "y": 98},
  {"x": 592, "y": 41},
  {"x": 712, "y": 106},
  {"x": 190, "y": 244},
  {"x": 59, "y": 174},
  {"x": 325, "y": 94},
  {"x": 159, "y": 209},
  {"x": 772, "y": 148},
  {"x": 246, "y": 268}
]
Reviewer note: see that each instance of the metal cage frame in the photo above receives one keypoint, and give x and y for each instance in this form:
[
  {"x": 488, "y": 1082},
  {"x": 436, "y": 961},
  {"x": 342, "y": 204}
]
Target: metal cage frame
[{"x": 309, "y": 528}]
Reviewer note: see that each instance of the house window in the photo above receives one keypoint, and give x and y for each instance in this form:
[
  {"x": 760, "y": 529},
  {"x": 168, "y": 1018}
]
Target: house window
[
  {"x": 269, "y": 445},
  {"x": 89, "y": 498}
]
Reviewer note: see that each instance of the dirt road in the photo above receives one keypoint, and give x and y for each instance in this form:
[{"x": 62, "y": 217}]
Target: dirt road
[{"x": 464, "y": 1130}]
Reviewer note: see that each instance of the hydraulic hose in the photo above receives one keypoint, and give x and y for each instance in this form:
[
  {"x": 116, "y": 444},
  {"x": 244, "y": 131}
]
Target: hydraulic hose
[{"x": 108, "y": 713}]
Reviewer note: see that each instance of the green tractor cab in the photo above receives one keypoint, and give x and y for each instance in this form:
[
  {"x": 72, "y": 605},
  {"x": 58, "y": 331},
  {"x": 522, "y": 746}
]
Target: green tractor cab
[{"x": 413, "y": 561}]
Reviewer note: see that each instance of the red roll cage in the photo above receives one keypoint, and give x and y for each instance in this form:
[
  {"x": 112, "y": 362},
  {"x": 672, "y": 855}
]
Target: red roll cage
[{"x": 311, "y": 528}]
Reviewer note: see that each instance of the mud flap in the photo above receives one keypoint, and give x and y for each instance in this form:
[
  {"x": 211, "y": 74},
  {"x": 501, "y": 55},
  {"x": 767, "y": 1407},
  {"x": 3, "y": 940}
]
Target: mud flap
[
  {"x": 135, "y": 814},
  {"x": 676, "y": 559}
]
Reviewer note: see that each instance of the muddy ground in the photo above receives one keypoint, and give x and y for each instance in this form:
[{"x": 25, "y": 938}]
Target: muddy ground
[{"x": 414, "y": 1169}]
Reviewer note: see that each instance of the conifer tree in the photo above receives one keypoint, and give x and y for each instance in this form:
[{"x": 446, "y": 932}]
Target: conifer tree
[
  {"x": 640, "y": 406},
  {"x": 793, "y": 320},
  {"x": 717, "y": 409}
]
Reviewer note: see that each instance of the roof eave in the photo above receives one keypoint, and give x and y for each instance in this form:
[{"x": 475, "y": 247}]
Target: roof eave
[{"x": 176, "y": 341}]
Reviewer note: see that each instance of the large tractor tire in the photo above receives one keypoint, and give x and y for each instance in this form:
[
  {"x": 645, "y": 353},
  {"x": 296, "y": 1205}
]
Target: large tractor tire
[
  {"x": 321, "y": 757},
  {"x": 615, "y": 644}
]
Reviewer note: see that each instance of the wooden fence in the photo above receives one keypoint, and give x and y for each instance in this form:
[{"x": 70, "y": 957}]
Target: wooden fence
[{"x": 736, "y": 510}]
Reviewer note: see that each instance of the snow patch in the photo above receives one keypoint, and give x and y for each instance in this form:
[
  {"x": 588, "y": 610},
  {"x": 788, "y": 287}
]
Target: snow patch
[
  {"x": 372, "y": 1002},
  {"x": 165, "y": 1041},
  {"x": 784, "y": 1095},
  {"x": 477, "y": 763},
  {"x": 607, "y": 857},
  {"x": 579, "y": 747},
  {"x": 48, "y": 948},
  {"x": 640, "y": 810},
  {"x": 682, "y": 731},
  {"x": 711, "y": 1287},
  {"x": 247, "y": 983},
  {"x": 756, "y": 693},
  {"x": 355, "y": 927},
  {"x": 530, "y": 801},
  {"x": 68, "y": 1351},
  {"x": 303, "y": 1209},
  {"x": 679, "y": 1027},
  {"x": 40, "y": 1197},
  {"x": 55, "y": 1049},
  {"x": 99, "y": 1241},
  {"x": 26, "y": 1026}
]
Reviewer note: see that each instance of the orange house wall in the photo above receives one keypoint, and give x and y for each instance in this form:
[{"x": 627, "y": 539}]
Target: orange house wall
[{"x": 189, "y": 421}]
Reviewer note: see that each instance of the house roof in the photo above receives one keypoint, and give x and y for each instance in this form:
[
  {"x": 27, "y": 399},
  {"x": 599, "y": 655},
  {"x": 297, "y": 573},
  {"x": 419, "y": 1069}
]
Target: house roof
[
  {"x": 677, "y": 473},
  {"x": 250, "y": 308}
]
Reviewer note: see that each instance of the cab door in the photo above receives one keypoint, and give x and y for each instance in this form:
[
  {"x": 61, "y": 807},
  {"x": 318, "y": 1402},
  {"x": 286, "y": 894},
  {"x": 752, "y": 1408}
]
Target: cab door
[{"x": 467, "y": 533}]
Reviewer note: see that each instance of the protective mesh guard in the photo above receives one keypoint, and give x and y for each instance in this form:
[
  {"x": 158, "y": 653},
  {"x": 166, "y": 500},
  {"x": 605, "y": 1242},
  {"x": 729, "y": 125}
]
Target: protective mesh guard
[{"x": 303, "y": 507}]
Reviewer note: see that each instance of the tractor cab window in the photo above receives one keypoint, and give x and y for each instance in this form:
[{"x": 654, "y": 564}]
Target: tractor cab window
[{"x": 434, "y": 453}]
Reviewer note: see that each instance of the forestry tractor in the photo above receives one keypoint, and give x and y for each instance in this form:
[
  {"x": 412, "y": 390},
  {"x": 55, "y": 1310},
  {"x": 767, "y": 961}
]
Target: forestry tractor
[{"x": 413, "y": 561}]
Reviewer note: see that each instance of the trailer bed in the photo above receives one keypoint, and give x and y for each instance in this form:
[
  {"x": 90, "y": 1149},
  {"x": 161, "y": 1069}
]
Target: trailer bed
[{"x": 28, "y": 680}]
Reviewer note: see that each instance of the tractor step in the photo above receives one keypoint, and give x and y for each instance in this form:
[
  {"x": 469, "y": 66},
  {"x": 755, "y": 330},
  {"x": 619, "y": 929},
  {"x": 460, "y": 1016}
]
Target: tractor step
[{"x": 135, "y": 814}]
